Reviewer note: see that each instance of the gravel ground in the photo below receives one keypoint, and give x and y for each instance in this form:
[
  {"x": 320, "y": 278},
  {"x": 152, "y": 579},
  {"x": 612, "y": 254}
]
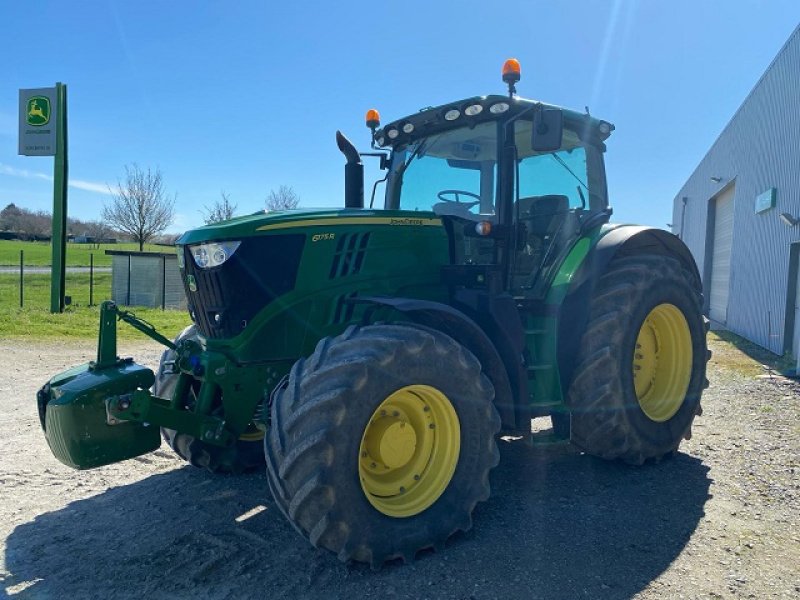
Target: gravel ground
[{"x": 720, "y": 520}]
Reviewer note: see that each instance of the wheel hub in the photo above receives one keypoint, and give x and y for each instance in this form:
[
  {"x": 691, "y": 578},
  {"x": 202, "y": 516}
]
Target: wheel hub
[
  {"x": 662, "y": 362},
  {"x": 392, "y": 441},
  {"x": 409, "y": 451}
]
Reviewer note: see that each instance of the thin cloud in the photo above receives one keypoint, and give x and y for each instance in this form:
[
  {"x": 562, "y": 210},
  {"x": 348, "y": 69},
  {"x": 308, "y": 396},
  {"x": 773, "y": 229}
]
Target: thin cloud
[
  {"x": 78, "y": 184},
  {"x": 90, "y": 186},
  {"x": 6, "y": 170}
]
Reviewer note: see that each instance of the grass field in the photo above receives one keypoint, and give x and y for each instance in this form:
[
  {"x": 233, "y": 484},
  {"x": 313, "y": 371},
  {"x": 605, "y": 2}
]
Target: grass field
[
  {"x": 79, "y": 321},
  {"x": 38, "y": 254}
]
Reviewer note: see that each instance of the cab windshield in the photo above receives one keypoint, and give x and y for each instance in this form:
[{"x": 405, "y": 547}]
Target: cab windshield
[
  {"x": 450, "y": 173},
  {"x": 455, "y": 173}
]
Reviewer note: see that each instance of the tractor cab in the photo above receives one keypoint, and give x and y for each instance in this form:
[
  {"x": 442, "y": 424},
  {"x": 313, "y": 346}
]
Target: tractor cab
[{"x": 515, "y": 180}]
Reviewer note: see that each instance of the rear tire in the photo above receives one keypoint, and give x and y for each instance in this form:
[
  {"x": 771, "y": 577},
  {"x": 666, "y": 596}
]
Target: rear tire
[
  {"x": 349, "y": 403},
  {"x": 645, "y": 319},
  {"x": 246, "y": 455}
]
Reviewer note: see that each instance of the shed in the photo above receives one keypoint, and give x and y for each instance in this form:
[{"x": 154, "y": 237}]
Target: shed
[{"x": 149, "y": 279}]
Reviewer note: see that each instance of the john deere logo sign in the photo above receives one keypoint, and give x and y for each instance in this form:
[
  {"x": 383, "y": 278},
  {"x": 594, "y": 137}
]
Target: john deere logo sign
[
  {"x": 38, "y": 115},
  {"x": 38, "y": 112}
]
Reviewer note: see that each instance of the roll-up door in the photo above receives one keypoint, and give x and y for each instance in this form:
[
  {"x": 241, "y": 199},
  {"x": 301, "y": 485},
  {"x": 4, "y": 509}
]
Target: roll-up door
[{"x": 721, "y": 260}]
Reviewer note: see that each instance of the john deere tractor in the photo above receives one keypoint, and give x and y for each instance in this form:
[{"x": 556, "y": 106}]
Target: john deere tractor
[{"x": 371, "y": 356}]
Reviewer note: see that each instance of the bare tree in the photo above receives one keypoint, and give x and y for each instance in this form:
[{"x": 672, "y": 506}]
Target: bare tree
[
  {"x": 10, "y": 217},
  {"x": 141, "y": 207},
  {"x": 27, "y": 224},
  {"x": 283, "y": 199},
  {"x": 99, "y": 230},
  {"x": 221, "y": 210}
]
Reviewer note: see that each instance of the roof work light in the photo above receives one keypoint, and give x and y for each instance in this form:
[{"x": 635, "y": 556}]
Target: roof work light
[
  {"x": 373, "y": 119},
  {"x": 511, "y": 74}
]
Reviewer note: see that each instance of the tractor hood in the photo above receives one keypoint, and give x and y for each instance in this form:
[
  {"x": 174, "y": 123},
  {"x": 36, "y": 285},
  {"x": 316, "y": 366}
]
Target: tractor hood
[{"x": 260, "y": 223}]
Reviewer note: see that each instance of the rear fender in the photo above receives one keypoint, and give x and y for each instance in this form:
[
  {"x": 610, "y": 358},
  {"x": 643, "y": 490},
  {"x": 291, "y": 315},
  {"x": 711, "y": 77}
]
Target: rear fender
[{"x": 622, "y": 240}]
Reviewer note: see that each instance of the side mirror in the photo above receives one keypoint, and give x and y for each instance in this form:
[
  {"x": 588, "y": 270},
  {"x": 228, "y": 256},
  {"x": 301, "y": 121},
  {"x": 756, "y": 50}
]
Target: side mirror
[{"x": 548, "y": 127}]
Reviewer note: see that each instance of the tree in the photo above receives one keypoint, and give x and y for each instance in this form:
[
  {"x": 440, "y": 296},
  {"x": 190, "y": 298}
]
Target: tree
[
  {"x": 99, "y": 230},
  {"x": 221, "y": 210},
  {"x": 284, "y": 199},
  {"x": 10, "y": 218},
  {"x": 35, "y": 225},
  {"x": 140, "y": 207},
  {"x": 27, "y": 224}
]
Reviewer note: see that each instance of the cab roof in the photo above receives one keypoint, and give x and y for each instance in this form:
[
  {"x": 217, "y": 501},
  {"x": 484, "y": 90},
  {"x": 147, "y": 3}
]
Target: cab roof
[{"x": 491, "y": 108}]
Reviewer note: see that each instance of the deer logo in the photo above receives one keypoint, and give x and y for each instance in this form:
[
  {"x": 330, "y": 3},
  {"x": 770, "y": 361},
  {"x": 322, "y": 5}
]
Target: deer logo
[{"x": 38, "y": 112}]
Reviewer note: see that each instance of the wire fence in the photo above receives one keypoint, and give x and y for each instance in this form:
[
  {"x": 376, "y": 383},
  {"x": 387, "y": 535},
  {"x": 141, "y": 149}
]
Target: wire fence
[
  {"x": 150, "y": 279},
  {"x": 29, "y": 285}
]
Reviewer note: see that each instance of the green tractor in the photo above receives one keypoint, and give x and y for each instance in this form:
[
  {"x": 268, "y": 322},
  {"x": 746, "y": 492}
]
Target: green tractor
[{"x": 371, "y": 357}]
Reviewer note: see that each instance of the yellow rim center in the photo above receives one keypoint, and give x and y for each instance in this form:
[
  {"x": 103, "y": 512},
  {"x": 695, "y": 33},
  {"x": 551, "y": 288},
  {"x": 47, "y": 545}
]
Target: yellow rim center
[
  {"x": 662, "y": 362},
  {"x": 409, "y": 451}
]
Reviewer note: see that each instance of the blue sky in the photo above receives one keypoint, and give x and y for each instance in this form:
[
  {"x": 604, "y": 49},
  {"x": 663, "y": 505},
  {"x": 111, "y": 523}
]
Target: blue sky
[{"x": 246, "y": 96}]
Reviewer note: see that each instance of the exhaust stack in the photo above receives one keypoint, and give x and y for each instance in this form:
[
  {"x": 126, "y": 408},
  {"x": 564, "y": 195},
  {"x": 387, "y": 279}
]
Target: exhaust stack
[{"x": 353, "y": 173}]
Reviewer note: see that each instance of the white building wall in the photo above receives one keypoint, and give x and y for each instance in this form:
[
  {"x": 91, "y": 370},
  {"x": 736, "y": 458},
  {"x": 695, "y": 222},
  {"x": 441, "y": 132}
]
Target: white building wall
[{"x": 759, "y": 149}]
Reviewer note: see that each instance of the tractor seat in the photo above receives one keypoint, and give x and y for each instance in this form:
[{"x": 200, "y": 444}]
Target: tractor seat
[
  {"x": 540, "y": 212},
  {"x": 541, "y": 216}
]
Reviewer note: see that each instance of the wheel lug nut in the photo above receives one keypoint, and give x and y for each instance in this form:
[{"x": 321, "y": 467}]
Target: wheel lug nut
[
  {"x": 426, "y": 408},
  {"x": 639, "y": 356},
  {"x": 431, "y": 426},
  {"x": 416, "y": 477},
  {"x": 402, "y": 490},
  {"x": 395, "y": 414},
  {"x": 383, "y": 413},
  {"x": 363, "y": 453},
  {"x": 373, "y": 465}
]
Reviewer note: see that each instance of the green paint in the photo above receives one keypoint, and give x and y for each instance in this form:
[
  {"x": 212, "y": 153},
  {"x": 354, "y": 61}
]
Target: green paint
[
  {"x": 76, "y": 423},
  {"x": 545, "y": 393},
  {"x": 60, "y": 178},
  {"x": 107, "y": 337}
]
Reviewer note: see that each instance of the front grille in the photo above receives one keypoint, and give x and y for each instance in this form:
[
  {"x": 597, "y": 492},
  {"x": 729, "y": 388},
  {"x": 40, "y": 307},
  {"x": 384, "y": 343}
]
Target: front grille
[{"x": 229, "y": 296}]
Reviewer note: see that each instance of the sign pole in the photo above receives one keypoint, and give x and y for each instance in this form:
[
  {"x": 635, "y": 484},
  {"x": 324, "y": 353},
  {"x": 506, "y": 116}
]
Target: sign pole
[{"x": 60, "y": 179}]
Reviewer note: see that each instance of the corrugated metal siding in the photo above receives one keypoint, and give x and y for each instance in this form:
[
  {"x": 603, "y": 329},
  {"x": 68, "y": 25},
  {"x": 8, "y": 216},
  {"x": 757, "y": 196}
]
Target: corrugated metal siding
[
  {"x": 146, "y": 279},
  {"x": 759, "y": 149},
  {"x": 119, "y": 279}
]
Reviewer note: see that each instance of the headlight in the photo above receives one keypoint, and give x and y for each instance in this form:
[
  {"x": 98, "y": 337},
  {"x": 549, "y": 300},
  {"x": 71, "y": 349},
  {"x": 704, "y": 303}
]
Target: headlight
[
  {"x": 208, "y": 256},
  {"x": 181, "y": 263}
]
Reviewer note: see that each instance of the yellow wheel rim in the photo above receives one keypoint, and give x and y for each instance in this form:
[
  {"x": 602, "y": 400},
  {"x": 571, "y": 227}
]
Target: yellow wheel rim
[
  {"x": 252, "y": 434},
  {"x": 409, "y": 451},
  {"x": 662, "y": 362}
]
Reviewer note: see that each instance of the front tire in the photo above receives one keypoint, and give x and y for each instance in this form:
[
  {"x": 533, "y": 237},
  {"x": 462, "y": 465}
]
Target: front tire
[
  {"x": 382, "y": 442},
  {"x": 642, "y": 363}
]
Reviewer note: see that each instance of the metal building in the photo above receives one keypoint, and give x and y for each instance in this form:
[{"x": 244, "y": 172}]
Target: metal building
[
  {"x": 739, "y": 212},
  {"x": 146, "y": 279}
]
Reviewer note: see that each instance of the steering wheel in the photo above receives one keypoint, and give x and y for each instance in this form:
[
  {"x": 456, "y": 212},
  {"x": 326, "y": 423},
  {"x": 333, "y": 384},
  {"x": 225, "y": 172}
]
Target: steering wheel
[{"x": 458, "y": 193}]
